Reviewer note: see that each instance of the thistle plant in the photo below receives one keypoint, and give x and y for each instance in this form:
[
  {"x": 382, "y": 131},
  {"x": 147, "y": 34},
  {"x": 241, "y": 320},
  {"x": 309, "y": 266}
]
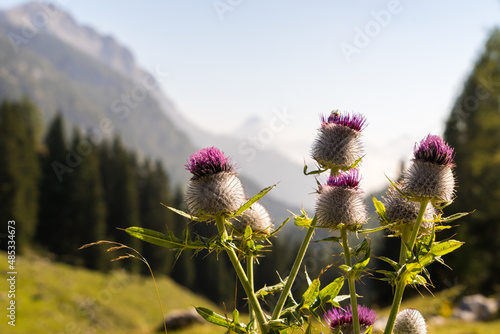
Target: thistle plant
[
  {"x": 341, "y": 320},
  {"x": 214, "y": 188},
  {"x": 411, "y": 210},
  {"x": 410, "y": 321}
]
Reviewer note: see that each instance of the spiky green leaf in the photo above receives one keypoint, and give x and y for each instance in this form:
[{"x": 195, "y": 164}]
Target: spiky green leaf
[
  {"x": 165, "y": 240},
  {"x": 219, "y": 320},
  {"x": 254, "y": 199},
  {"x": 309, "y": 297}
]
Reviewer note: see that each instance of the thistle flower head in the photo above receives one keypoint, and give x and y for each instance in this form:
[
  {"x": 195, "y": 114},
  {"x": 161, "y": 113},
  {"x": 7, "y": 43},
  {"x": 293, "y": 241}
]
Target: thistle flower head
[
  {"x": 346, "y": 180},
  {"x": 337, "y": 145},
  {"x": 401, "y": 210},
  {"x": 430, "y": 175},
  {"x": 410, "y": 321},
  {"x": 214, "y": 189},
  {"x": 342, "y": 318},
  {"x": 257, "y": 217},
  {"x": 434, "y": 149},
  {"x": 354, "y": 121},
  {"x": 207, "y": 161},
  {"x": 340, "y": 201}
]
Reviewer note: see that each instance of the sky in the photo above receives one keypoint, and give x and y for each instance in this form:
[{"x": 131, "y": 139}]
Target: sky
[{"x": 281, "y": 64}]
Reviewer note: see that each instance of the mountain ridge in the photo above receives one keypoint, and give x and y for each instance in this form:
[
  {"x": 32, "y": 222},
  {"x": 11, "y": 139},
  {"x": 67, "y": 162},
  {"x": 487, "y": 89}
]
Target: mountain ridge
[{"x": 89, "y": 85}]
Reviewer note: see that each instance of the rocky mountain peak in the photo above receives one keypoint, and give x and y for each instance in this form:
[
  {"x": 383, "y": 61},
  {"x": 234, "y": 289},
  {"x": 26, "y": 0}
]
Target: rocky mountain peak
[{"x": 54, "y": 20}]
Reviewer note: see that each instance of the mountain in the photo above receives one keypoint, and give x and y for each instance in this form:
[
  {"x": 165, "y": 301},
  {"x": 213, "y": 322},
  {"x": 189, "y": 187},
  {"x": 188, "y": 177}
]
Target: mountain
[
  {"x": 88, "y": 92},
  {"x": 97, "y": 85}
]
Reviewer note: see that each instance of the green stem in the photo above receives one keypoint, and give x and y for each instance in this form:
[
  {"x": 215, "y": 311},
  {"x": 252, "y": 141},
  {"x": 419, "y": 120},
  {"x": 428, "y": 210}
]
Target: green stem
[
  {"x": 351, "y": 281},
  {"x": 401, "y": 283},
  {"x": 416, "y": 228},
  {"x": 405, "y": 235},
  {"x": 250, "y": 281},
  {"x": 398, "y": 297},
  {"x": 252, "y": 300},
  {"x": 295, "y": 269}
]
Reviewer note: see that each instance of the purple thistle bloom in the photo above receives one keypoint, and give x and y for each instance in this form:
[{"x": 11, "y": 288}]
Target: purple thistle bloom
[
  {"x": 354, "y": 121},
  {"x": 214, "y": 188},
  {"x": 342, "y": 318},
  {"x": 338, "y": 143},
  {"x": 340, "y": 201},
  {"x": 350, "y": 179},
  {"x": 430, "y": 176},
  {"x": 434, "y": 149},
  {"x": 207, "y": 161}
]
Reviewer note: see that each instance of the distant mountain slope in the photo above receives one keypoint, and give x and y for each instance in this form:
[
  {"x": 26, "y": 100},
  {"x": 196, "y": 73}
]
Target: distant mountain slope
[
  {"x": 294, "y": 188},
  {"x": 72, "y": 69},
  {"x": 89, "y": 94}
]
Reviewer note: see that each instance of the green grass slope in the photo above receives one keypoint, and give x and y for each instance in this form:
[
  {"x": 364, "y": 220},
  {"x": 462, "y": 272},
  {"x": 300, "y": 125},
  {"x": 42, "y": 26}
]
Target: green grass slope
[{"x": 57, "y": 298}]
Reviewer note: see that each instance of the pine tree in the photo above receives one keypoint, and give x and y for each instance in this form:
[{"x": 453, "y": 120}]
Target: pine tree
[
  {"x": 121, "y": 196},
  {"x": 19, "y": 170},
  {"x": 153, "y": 190},
  {"x": 473, "y": 129},
  {"x": 184, "y": 270},
  {"x": 86, "y": 205},
  {"x": 54, "y": 194}
]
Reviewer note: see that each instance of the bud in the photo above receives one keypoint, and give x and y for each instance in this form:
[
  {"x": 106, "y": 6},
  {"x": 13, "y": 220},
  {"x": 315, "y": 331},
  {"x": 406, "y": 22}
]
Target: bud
[
  {"x": 410, "y": 321},
  {"x": 214, "y": 188},
  {"x": 400, "y": 210},
  {"x": 340, "y": 201},
  {"x": 430, "y": 176},
  {"x": 337, "y": 145},
  {"x": 257, "y": 217},
  {"x": 340, "y": 318}
]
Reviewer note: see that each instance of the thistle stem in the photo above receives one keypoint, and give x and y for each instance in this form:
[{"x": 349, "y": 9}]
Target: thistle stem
[
  {"x": 250, "y": 281},
  {"x": 416, "y": 228},
  {"x": 351, "y": 281},
  {"x": 252, "y": 300},
  {"x": 405, "y": 235},
  {"x": 295, "y": 269},
  {"x": 401, "y": 283}
]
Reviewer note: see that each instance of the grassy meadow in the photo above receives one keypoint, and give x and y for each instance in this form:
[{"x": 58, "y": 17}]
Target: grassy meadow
[{"x": 54, "y": 298}]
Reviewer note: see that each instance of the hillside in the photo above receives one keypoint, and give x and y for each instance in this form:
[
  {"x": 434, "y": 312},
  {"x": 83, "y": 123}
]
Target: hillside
[
  {"x": 57, "y": 298},
  {"x": 89, "y": 94},
  {"x": 98, "y": 86}
]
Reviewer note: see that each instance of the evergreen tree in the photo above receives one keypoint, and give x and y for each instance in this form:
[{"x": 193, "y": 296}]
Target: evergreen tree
[
  {"x": 473, "y": 129},
  {"x": 184, "y": 269},
  {"x": 215, "y": 276},
  {"x": 153, "y": 190},
  {"x": 121, "y": 196},
  {"x": 54, "y": 194},
  {"x": 86, "y": 205},
  {"x": 19, "y": 170}
]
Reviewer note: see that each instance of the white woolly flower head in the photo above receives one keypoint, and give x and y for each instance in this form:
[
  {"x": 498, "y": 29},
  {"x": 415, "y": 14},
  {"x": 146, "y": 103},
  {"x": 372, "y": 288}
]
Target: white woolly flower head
[
  {"x": 430, "y": 176},
  {"x": 410, "y": 321},
  {"x": 400, "y": 210},
  {"x": 340, "y": 201},
  {"x": 337, "y": 145},
  {"x": 257, "y": 217},
  {"x": 214, "y": 188}
]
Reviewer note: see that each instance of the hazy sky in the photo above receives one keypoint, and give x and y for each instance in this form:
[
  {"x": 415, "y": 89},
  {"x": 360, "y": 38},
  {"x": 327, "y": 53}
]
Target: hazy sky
[{"x": 400, "y": 63}]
